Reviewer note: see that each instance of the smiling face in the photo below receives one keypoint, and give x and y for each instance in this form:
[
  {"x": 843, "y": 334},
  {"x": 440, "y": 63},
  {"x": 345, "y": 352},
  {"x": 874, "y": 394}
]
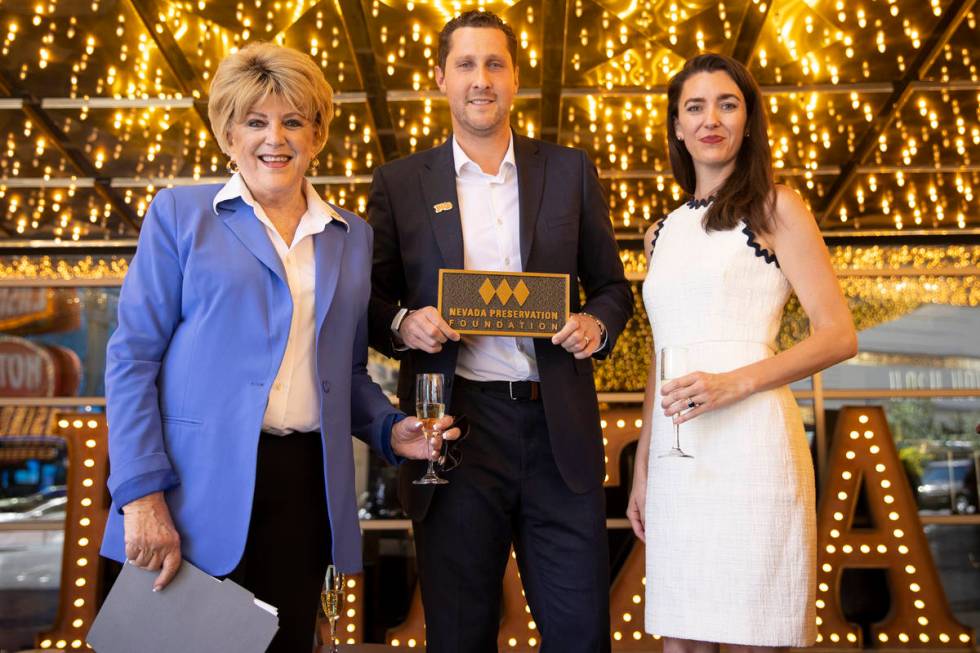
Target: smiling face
[
  {"x": 711, "y": 119},
  {"x": 272, "y": 145},
  {"x": 480, "y": 81}
]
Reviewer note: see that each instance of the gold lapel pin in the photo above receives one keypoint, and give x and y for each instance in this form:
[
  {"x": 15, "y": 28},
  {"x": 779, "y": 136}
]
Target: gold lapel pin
[{"x": 443, "y": 206}]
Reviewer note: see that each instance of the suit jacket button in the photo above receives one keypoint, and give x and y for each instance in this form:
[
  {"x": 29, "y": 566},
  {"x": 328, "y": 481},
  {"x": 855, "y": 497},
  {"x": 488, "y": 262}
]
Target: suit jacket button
[{"x": 326, "y": 386}]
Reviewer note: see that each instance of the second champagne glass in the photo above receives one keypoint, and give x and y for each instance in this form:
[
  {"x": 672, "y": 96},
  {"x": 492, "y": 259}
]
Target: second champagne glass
[
  {"x": 332, "y": 600},
  {"x": 430, "y": 406},
  {"x": 673, "y": 363}
]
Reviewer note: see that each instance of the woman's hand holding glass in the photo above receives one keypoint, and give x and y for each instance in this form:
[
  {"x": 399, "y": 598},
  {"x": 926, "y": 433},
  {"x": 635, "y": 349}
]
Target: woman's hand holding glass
[{"x": 688, "y": 396}]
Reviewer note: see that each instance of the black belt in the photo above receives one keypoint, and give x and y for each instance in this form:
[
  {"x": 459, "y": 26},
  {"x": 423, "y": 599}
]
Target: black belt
[
  {"x": 266, "y": 434},
  {"x": 515, "y": 390}
]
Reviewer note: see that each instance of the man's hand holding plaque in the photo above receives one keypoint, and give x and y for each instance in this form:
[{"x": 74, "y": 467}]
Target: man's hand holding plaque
[
  {"x": 486, "y": 312},
  {"x": 425, "y": 330},
  {"x": 581, "y": 336}
]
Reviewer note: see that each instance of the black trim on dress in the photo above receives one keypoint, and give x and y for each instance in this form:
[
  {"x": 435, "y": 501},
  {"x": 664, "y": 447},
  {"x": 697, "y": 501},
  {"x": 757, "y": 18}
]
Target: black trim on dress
[
  {"x": 656, "y": 233},
  {"x": 760, "y": 251},
  {"x": 694, "y": 203}
]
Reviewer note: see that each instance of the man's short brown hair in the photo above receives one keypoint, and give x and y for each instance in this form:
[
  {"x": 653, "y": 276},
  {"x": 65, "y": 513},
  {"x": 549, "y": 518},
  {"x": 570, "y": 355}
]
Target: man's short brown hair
[{"x": 475, "y": 18}]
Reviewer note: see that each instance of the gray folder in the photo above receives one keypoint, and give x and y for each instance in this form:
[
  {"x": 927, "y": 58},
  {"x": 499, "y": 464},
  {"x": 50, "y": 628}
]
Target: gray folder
[{"x": 195, "y": 613}]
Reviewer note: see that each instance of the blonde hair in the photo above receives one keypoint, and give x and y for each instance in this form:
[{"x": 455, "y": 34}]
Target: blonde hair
[{"x": 258, "y": 70}]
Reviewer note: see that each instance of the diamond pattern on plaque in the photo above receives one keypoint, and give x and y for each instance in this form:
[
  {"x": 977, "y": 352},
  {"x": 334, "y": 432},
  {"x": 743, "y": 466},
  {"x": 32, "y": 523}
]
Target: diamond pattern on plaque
[
  {"x": 486, "y": 291},
  {"x": 521, "y": 292},
  {"x": 504, "y": 292}
]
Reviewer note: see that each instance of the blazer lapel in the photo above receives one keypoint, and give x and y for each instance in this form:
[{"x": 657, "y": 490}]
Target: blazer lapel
[
  {"x": 438, "y": 178},
  {"x": 328, "y": 249},
  {"x": 240, "y": 218},
  {"x": 530, "y": 183}
]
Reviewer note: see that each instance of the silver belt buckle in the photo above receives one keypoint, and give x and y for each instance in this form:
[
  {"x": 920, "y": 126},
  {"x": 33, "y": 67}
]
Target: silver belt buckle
[{"x": 510, "y": 390}]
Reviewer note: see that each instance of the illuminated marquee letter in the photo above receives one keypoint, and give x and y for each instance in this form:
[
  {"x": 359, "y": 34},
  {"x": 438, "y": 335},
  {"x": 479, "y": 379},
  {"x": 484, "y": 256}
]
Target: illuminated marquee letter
[
  {"x": 85, "y": 517},
  {"x": 863, "y": 453}
]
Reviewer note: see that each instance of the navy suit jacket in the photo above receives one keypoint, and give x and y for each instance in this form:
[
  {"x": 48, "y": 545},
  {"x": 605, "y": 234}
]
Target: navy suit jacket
[
  {"x": 204, "y": 315},
  {"x": 564, "y": 228}
]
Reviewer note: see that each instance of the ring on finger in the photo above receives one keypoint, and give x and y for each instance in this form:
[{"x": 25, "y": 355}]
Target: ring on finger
[
  {"x": 587, "y": 340},
  {"x": 692, "y": 404}
]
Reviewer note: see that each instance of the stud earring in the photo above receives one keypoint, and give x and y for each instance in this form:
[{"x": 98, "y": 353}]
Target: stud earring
[{"x": 231, "y": 166}]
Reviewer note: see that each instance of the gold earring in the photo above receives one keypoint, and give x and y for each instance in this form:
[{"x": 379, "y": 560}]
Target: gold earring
[
  {"x": 231, "y": 166},
  {"x": 314, "y": 163}
]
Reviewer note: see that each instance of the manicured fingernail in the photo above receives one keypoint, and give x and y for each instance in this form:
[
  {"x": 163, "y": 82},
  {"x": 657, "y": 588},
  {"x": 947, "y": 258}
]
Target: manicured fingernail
[{"x": 156, "y": 589}]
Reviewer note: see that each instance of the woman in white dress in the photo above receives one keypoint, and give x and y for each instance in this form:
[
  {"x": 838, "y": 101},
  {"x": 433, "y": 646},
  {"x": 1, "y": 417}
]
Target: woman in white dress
[{"x": 730, "y": 531}]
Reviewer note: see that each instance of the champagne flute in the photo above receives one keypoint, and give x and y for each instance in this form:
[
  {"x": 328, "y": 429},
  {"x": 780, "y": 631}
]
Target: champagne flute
[
  {"x": 673, "y": 363},
  {"x": 430, "y": 406},
  {"x": 332, "y": 600}
]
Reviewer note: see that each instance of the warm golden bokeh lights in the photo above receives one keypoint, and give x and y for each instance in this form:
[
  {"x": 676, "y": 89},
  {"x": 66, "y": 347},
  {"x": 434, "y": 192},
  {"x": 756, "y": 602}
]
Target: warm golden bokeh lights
[{"x": 873, "y": 105}]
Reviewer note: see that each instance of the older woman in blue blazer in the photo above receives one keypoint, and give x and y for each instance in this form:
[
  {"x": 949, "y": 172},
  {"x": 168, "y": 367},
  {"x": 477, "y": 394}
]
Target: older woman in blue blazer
[{"x": 238, "y": 369}]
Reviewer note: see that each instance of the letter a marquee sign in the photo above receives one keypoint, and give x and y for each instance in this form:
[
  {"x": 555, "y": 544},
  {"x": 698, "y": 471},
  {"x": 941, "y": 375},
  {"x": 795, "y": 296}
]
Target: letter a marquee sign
[{"x": 863, "y": 454}]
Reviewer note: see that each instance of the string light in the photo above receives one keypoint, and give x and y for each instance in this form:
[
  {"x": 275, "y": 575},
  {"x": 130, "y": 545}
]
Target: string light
[{"x": 927, "y": 175}]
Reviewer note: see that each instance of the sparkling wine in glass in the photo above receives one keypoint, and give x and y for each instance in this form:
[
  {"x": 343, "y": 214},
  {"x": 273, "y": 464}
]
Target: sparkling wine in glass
[
  {"x": 332, "y": 600},
  {"x": 430, "y": 406},
  {"x": 673, "y": 363}
]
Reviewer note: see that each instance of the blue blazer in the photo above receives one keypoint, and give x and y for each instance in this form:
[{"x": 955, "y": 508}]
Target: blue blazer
[{"x": 204, "y": 314}]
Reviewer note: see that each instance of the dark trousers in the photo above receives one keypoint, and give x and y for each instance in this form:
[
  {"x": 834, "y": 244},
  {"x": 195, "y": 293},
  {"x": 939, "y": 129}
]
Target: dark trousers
[
  {"x": 288, "y": 545},
  {"x": 507, "y": 490}
]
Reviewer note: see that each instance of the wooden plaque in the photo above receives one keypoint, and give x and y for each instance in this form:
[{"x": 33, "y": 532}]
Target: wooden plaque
[{"x": 529, "y": 304}]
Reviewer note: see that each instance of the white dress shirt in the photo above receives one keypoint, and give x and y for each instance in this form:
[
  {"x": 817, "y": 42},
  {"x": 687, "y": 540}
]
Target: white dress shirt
[
  {"x": 294, "y": 400},
  {"x": 489, "y": 211}
]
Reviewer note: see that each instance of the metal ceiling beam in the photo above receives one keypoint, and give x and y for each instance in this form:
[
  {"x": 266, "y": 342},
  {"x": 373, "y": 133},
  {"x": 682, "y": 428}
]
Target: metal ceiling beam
[
  {"x": 60, "y": 141},
  {"x": 555, "y": 16},
  {"x": 347, "y": 180},
  {"x": 770, "y": 89},
  {"x": 750, "y": 30},
  {"x": 187, "y": 78},
  {"x": 408, "y": 95},
  {"x": 904, "y": 89},
  {"x": 356, "y": 27}
]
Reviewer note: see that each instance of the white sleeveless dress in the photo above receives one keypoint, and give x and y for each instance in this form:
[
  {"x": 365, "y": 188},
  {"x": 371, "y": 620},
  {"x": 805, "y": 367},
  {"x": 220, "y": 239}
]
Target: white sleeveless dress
[{"x": 731, "y": 533}]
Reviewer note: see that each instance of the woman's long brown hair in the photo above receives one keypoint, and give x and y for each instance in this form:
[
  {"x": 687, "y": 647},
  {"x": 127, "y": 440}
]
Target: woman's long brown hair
[{"x": 748, "y": 194}]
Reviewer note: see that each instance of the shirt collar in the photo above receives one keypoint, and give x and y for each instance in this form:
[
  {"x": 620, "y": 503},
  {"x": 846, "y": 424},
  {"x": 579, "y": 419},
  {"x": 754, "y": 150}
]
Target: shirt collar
[
  {"x": 460, "y": 159},
  {"x": 317, "y": 210}
]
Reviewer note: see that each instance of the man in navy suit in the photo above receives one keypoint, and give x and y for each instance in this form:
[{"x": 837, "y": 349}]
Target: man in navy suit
[{"x": 531, "y": 471}]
